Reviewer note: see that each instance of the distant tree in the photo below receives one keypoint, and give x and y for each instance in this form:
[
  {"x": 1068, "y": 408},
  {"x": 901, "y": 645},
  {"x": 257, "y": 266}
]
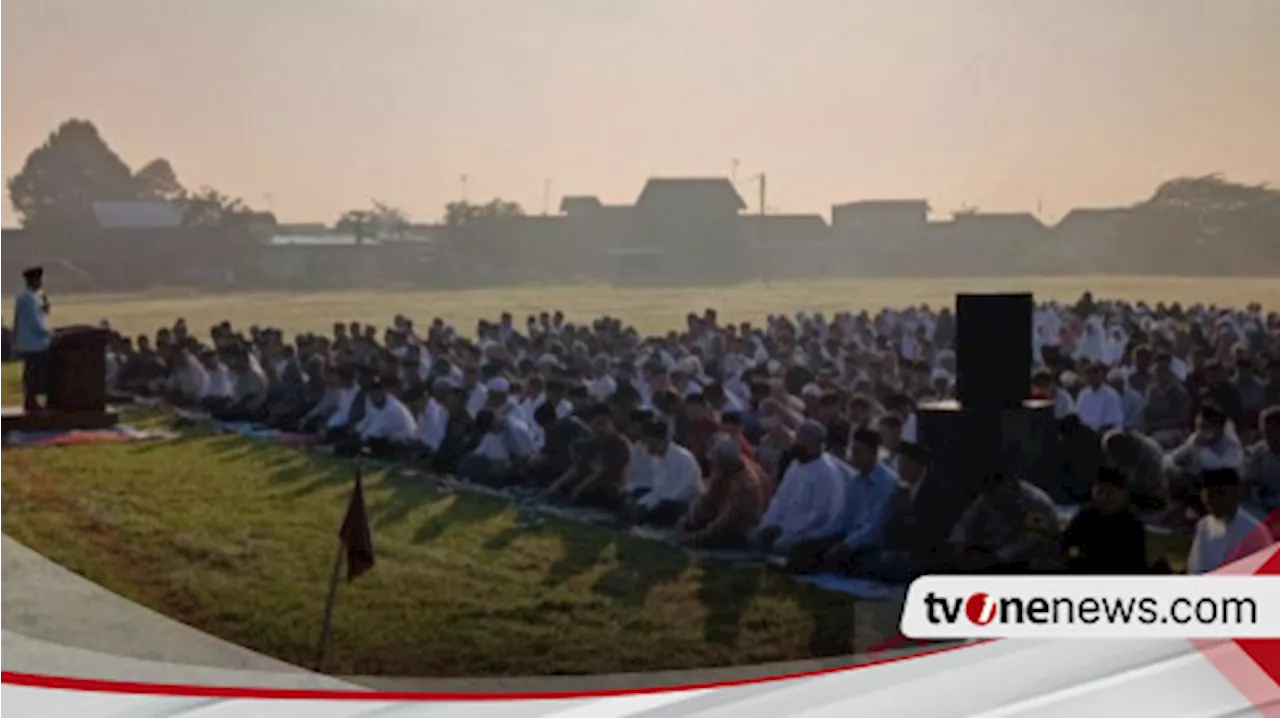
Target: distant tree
[
  {"x": 157, "y": 181},
  {"x": 62, "y": 178},
  {"x": 1211, "y": 194},
  {"x": 211, "y": 208},
  {"x": 390, "y": 222},
  {"x": 381, "y": 221},
  {"x": 463, "y": 213},
  {"x": 472, "y": 230},
  {"x": 1215, "y": 206},
  {"x": 356, "y": 222}
]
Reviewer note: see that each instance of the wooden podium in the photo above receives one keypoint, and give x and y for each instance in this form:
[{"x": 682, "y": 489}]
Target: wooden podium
[{"x": 77, "y": 385}]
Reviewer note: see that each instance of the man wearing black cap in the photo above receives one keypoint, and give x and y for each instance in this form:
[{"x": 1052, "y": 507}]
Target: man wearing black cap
[
  {"x": 1107, "y": 537},
  {"x": 32, "y": 336}
]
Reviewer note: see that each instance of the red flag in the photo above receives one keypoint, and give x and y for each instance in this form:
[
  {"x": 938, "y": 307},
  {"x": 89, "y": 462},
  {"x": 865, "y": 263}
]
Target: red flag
[{"x": 356, "y": 534}]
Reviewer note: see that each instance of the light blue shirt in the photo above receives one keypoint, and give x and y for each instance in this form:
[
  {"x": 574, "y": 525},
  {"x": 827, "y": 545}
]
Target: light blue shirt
[
  {"x": 30, "y": 331},
  {"x": 868, "y": 502}
]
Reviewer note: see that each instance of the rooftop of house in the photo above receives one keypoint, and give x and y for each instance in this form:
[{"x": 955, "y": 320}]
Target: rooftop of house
[
  {"x": 1011, "y": 218},
  {"x": 885, "y": 204},
  {"x": 687, "y": 191},
  {"x": 579, "y": 203}
]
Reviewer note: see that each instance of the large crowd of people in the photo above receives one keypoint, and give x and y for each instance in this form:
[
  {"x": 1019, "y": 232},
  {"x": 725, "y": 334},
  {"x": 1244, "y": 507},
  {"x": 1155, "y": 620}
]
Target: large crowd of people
[{"x": 797, "y": 435}]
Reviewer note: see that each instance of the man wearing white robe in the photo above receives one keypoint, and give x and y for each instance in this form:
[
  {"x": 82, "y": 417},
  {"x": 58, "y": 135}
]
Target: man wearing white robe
[
  {"x": 1098, "y": 405},
  {"x": 664, "y": 477},
  {"x": 1226, "y": 534},
  {"x": 811, "y": 497},
  {"x": 435, "y": 417},
  {"x": 348, "y": 390},
  {"x": 602, "y": 385},
  {"x": 386, "y": 428}
]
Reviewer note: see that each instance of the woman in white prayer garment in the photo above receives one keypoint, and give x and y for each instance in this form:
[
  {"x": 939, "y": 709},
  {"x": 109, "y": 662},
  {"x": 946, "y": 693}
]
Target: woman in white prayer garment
[
  {"x": 1092, "y": 345},
  {"x": 1117, "y": 342}
]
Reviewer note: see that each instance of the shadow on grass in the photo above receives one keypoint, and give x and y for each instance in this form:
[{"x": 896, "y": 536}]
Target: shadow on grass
[
  {"x": 727, "y": 594},
  {"x": 583, "y": 547},
  {"x": 504, "y": 538},
  {"x": 321, "y": 478},
  {"x": 639, "y": 569},
  {"x": 465, "y": 509},
  {"x": 834, "y": 620},
  {"x": 407, "y": 494}
]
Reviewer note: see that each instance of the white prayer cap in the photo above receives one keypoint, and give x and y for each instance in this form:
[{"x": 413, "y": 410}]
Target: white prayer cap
[
  {"x": 445, "y": 382},
  {"x": 1069, "y": 378},
  {"x": 498, "y": 384},
  {"x": 811, "y": 390},
  {"x": 1116, "y": 374},
  {"x": 724, "y": 448}
]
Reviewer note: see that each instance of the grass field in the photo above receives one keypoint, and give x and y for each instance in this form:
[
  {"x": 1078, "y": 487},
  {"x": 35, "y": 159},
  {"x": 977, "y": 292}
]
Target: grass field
[
  {"x": 650, "y": 309},
  {"x": 237, "y": 538}
]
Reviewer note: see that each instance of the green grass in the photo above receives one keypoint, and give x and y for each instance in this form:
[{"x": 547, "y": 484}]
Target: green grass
[{"x": 238, "y": 539}]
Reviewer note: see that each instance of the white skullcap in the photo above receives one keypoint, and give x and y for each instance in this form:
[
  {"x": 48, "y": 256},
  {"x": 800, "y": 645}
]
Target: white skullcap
[
  {"x": 498, "y": 384},
  {"x": 724, "y": 448}
]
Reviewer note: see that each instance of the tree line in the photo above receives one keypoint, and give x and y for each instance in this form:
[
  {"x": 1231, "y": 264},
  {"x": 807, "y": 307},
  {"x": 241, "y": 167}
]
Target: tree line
[
  {"x": 75, "y": 167},
  {"x": 62, "y": 178}
]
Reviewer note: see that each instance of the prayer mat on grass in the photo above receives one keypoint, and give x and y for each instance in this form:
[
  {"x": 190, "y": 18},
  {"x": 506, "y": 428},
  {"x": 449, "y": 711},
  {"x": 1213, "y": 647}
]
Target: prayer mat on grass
[
  {"x": 859, "y": 587},
  {"x": 275, "y": 436},
  {"x": 76, "y": 437}
]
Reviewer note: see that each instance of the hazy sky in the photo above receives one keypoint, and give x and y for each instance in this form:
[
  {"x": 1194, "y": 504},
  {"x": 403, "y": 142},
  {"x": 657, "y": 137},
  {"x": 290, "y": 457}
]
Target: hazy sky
[{"x": 316, "y": 106}]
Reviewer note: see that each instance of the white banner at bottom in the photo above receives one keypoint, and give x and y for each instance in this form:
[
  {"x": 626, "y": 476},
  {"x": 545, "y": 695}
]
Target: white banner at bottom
[{"x": 1138, "y": 607}]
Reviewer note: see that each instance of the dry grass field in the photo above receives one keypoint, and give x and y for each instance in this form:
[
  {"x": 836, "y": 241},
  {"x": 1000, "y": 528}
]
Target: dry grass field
[{"x": 650, "y": 309}]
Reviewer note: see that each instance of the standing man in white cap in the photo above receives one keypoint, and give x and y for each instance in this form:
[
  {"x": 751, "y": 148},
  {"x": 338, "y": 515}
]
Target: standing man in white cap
[{"x": 31, "y": 337}]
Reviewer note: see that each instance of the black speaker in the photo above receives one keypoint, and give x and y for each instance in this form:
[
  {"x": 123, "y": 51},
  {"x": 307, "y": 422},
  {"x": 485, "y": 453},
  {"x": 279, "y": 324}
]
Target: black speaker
[
  {"x": 993, "y": 350},
  {"x": 969, "y": 445}
]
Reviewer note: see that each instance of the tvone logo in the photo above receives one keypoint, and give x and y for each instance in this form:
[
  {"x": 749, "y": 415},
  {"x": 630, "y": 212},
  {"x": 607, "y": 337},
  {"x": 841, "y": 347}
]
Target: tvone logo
[{"x": 980, "y": 609}]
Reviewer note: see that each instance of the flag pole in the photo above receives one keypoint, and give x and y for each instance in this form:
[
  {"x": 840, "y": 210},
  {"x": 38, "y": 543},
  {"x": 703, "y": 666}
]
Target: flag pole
[{"x": 329, "y": 602}]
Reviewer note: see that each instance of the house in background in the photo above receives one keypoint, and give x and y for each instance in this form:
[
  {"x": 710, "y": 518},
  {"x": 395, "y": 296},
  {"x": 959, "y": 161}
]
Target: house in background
[
  {"x": 139, "y": 215},
  {"x": 982, "y": 243},
  {"x": 695, "y": 221},
  {"x": 595, "y": 233},
  {"x": 869, "y": 221},
  {"x": 790, "y": 245}
]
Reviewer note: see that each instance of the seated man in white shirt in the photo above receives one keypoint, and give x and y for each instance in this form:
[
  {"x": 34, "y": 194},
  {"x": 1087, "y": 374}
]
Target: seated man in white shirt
[
  {"x": 333, "y": 414},
  {"x": 187, "y": 378},
  {"x": 1213, "y": 445},
  {"x": 1226, "y": 534},
  {"x": 387, "y": 429},
  {"x": 504, "y": 449},
  {"x": 218, "y": 391},
  {"x": 1098, "y": 405},
  {"x": 810, "y": 499},
  {"x": 434, "y": 419},
  {"x": 665, "y": 478}
]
